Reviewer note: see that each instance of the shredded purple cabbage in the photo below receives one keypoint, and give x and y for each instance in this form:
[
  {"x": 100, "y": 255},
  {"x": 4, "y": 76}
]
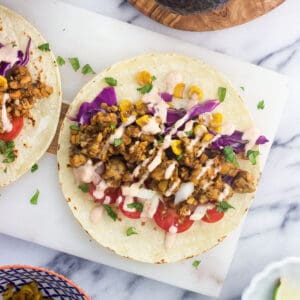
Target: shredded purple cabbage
[
  {"x": 166, "y": 97},
  {"x": 261, "y": 140},
  {"x": 202, "y": 108},
  {"x": 234, "y": 140},
  {"x": 227, "y": 179},
  {"x": 25, "y": 58},
  {"x": 173, "y": 115},
  {"x": 88, "y": 109}
]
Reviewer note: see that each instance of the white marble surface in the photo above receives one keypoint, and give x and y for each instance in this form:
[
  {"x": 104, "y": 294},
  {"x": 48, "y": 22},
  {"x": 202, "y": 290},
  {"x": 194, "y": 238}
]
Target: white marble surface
[{"x": 270, "y": 231}]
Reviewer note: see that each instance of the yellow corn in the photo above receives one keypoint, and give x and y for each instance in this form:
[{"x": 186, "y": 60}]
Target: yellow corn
[
  {"x": 218, "y": 129},
  {"x": 176, "y": 147},
  {"x": 194, "y": 90},
  {"x": 178, "y": 90},
  {"x": 199, "y": 129},
  {"x": 143, "y": 78},
  {"x": 125, "y": 105},
  {"x": 123, "y": 116},
  {"x": 139, "y": 104},
  {"x": 217, "y": 120},
  {"x": 207, "y": 137},
  {"x": 3, "y": 81},
  {"x": 142, "y": 121}
]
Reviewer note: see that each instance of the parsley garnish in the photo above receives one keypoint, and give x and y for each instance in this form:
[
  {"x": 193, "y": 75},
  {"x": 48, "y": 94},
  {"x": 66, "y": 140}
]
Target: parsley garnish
[
  {"x": 230, "y": 155},
  {"x": 252, "y": 154},
  {"x": 60, "y": 61},
  {"x": 5, "y": 170},
  {"x": 74, "y": 63},
  {"x": 111, "y": 81},
  {"x": 223, "y": 206},
  {"x": 189, "y": 133},
  {"x": 7, "y": 149},
  {"x": 87, "y": 69},
  {"x": 110, "y": 211},
  {"x": 84, "y": 187},
  {"x": 160, "y": 139},
  {"x": 75, "y": 127},
  {"x": 130, "y": 231},
  {"x": 35, "y": 197},
  {"x": 113, "y": 127},
  {"x": 242, "y": 88},
  {"x": 180, "y": 156},
  {"x": 44, "y": 47},
  {"x": 137, "y": 205},
  {"x": 261, "y": 104},
  {"x": 148, "y": 87},
  {"x": 118, "y": 142},
  {"x": 196, "y": 263},
  {"x": 221, "y": 93},
  {"x": 34, "y": 168}
]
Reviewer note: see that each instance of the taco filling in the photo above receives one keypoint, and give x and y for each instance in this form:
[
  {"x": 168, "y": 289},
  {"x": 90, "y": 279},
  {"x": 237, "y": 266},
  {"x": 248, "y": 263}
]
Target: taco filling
[
  {"x": 19, "y": 92},
  {"x": 155, "y": 158}
]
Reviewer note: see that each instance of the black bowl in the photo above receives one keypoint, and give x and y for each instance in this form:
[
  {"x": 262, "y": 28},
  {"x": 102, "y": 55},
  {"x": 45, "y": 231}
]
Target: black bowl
[{"x": 186, "y": 7}]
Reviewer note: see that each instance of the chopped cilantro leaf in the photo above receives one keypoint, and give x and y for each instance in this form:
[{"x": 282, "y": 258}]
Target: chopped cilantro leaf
[
  {"x": 35, "y": 197},
  {"x": 118, "y": 142},
  {"x": 137, "y": 205},
  {"x": 189, "y": 133},
  {"x": 84, "y": 187},
  {"x": 196, "y": 263},
  {"x": 160, "y": 139},
  {"x": 180, "y": 156},
  {"x": 223, "y": 206},
  {"x": 242, "y": 88},
  {"x": 111, "y": 81},
  {"x": 5, "y": 170},
  {"x": 74, "y": 63},
  {"x": 221, "y": 93},
  {"x": 110, "y": 211},
  {"x": 261, "y": 104},
  {"x": 75, "y": 127},
  {"x": 60, "y": 61},
  {"x": 230, "y": 155},
  {"x": 34, "y": 168},
  {"x": 252, "y": 155},
  {"x": 7, "y": 150},
  {"x": 87, "y": 69},
  {"x": 44, "y": 47},
  {"x": 113, "y": 127},
  {"x": 130, "y": 231},
  {"x": 145, "y": 89}
]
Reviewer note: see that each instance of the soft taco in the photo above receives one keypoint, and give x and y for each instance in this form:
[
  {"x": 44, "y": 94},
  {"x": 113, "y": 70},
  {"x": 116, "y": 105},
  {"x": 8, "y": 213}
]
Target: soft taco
[
  {"x": 30, "y": 96},
  {"x": 158, "y": 158}
]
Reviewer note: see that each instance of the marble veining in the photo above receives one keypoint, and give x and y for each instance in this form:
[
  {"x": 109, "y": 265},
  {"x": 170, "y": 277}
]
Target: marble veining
[{"x": 271, "y": 230}]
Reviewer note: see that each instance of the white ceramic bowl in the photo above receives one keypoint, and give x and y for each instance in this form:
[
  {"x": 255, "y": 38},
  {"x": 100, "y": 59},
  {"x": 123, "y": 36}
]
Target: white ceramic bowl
[{"x": 262, "y": 285}]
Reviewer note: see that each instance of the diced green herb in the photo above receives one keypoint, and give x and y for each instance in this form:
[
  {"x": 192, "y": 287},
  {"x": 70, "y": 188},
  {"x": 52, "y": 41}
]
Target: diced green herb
[
  {"x": 75, "y": 127},
  {"x": 118, "y": 142},
  {"x": 276, "y": 289},
  {"x": 242, "y": 88},
  {"x": 60, "y": 61},
  {"x": 74, "y": 63},
  {"x": 230, "y": 155},
  {"x": 5, "y": 170},
  {"x": 87, "y": 69},
  {"x": 84, "y": 187},
  {"x": 44, "y": 47},
  {"x": 153, "y": 78},
  {"x": 130, "y": 231},
  {"x": 196, "y": 263},
  {"x": 34, "y": 168},
  {"x": 223, "y": 206},
  {"x": 111, "y": 81},
  {"x": 189, "y": 133},
  {"x": 7, "y": 150},
  {"x": 261, "y": 104},
  {"x": 180, "y": 156},
  {"x": 110, "y": 211},
  {"x": 113, "y": 127},
  {"x": 35, "y": 197},
  {"x": 137, "y": 205},
  {"x": 145, "y": 89},
  {"x": 221, "y": 93},
  {"x": 160, "y": 139},
  {"x": 252, "y": 155}
]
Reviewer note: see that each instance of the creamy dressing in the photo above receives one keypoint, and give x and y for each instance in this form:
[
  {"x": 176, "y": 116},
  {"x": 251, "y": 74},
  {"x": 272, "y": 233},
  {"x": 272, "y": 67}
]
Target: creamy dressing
[
  {"x": 205, "y": 168},
  {"x": 225, "y": 193},
  {"x": 185, "y": 190},
  {"x": 99, "y": 191},
  {"x": 9, "y": 54},
  {"x": 107, "y": 200},
  {"x": 251, "y": 135},
  {"x": 170, "y": 191},
  {"x": 171, "y": 80},
  {"x": 156, "y": 161},
  {"x": 170, "y": 170},
  {"x": 6, "y": 124},
  {"x": 199, "y": 134},
  {"x": 170, "y": 237},
  {"x": 87, "y": 173},
  {"x": 150, "y": 207},
  {"x": 200, "y": 211},
  {"x": 96, "y": 214},
  {"x": 205, "y": 145},
  {"x": 152, "y": 127}
]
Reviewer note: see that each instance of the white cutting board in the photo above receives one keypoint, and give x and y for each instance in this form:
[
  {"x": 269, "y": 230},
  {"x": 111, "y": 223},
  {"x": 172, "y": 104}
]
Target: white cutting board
[{"x": 101, "y": 41}]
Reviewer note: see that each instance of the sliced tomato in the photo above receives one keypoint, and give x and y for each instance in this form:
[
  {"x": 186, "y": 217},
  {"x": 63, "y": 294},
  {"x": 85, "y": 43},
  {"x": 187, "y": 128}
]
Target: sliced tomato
[
  {"x": 112, "y": 193},
  {"x": 212, "y": 216},
  {"x": 17, "y": 125},
  {"x": 134, "y": 214},
  {"x": 165, "y": 217}
]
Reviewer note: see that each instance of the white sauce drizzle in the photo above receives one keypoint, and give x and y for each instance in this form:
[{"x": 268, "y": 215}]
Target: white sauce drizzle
[
  {"x": 107, "y": 200},
  {"x": 185, "y": 190},
  {"x": 205, "y": 145},
  {"x": 251, "y": 135},
  {"x": 170, "y": 191},
  {"x": 170, "y": 170},
  {"x": 6, "y": 124},
  {"x": 96, "y": 214},
  {"x": 170, "y": 237},
  {"x": 87, "y": 173},
  {"x": 9, "y": 54},
  {"x": 100, "y": 189},
  {"x": 152, "y": 127},
  {"x": 200, "y": 211},
  {"x": 199, "y": 134},
  {"x": 205, "y": 168},
  {"x": 150, "y": 207},
  {"x": 225, "y": 193}
]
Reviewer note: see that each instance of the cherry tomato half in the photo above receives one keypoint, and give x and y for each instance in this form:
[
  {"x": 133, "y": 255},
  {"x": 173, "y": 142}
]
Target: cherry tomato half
[
  {"x": 212, "y": 216},
  {"x": 17, "y": 124},
  {"x": 134, "y": 214},
  {"x": 165, "y": 217},
  {"x": 112, "y": 193}
]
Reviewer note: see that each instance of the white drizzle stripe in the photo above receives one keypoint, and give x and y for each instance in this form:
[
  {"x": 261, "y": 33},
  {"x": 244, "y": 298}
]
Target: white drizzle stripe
[
  {"x": 200, "y": 211},
  {"x": 225, "y": 193},
  {"x": 6, "y": 124},
  {"x": 170, "y": 170}
]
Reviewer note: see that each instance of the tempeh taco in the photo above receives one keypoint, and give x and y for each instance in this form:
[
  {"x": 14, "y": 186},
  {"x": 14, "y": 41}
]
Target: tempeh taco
[
  {"x": 30, "y": 96},
  {"x": 158, "y": 158}
]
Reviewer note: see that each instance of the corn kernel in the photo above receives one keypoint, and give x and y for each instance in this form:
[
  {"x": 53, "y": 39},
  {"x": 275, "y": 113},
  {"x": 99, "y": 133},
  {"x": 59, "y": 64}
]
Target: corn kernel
[
  {"x": 194, "y": 90},
  {"x": 139, "y": 104},
  {"x": 176, "y": 147},
  {"x": 217, "y": 120},
  {"x": 125, "y": 105},
  {"x": 3, "y": 81},
  {"x": 123, "y": 116},
  {"x": 199, "y": 130},
  {"x": 218, "y": 129},
  {"x": 178, "y": 90},
  {"x": 207, "y": 137},
  {"x": 142, "y": 121},
  {"x": 143, "y": 78}
]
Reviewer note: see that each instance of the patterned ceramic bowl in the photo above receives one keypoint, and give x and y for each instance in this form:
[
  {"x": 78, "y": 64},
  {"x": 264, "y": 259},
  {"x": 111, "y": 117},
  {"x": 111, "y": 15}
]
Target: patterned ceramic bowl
[{"x": 51, "y": 284}]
